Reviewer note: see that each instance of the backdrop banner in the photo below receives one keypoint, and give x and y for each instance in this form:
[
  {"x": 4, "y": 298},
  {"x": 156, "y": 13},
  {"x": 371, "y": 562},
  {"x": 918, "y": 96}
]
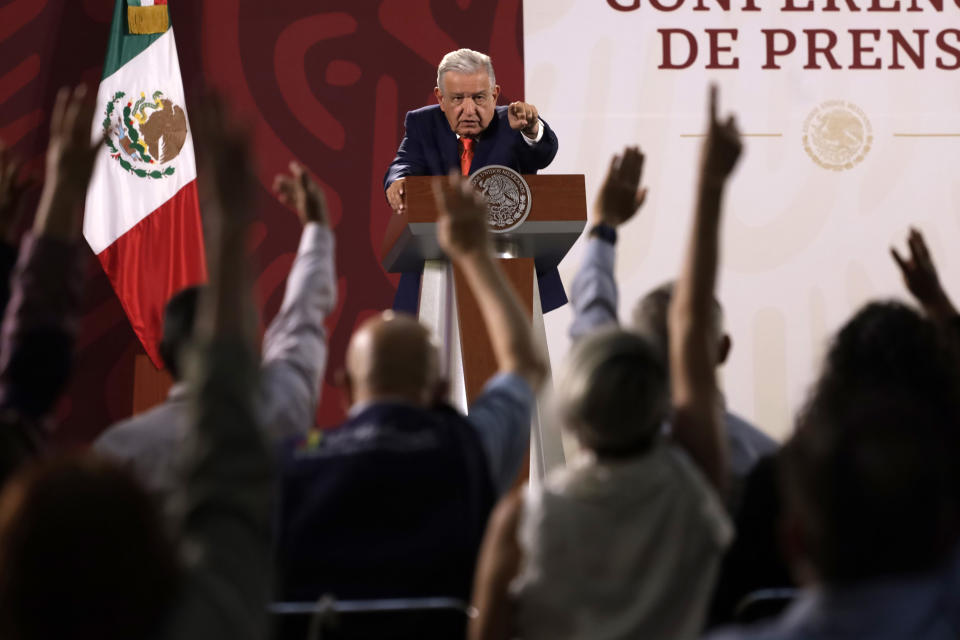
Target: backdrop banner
[{"x": 852, "y": 134}]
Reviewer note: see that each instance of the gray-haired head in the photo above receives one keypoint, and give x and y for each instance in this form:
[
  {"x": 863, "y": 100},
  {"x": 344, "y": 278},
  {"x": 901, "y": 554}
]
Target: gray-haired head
[
  {"x": 613, "y": 393},
  {"x": 465, "y": 61},
  {"x": 650, "y": 317}
]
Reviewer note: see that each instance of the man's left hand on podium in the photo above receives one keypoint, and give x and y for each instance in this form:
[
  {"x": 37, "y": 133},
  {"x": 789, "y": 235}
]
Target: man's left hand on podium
[{"x": 525, "y": 118}]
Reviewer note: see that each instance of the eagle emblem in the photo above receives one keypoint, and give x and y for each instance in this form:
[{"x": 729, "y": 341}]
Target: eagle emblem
[{"x": 145, "y": 134}]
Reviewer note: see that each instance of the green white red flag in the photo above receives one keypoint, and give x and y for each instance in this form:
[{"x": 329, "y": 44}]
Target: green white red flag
[{"x": 142, "y": 213}]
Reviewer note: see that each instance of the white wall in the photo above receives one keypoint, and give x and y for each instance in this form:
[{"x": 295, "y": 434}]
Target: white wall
[{"x": 802, "y": 246}]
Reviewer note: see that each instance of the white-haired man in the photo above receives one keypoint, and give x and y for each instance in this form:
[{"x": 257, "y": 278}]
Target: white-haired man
[{"x": 466, "y": 131}]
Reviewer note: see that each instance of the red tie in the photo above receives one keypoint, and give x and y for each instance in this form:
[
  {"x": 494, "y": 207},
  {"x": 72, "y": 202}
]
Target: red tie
[{"x": 466, "y": 157}]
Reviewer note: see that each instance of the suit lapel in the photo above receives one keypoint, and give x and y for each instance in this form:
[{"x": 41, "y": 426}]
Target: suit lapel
[
  {"x": 485, "y": 144},
  {"x": 481, "y": 153}
]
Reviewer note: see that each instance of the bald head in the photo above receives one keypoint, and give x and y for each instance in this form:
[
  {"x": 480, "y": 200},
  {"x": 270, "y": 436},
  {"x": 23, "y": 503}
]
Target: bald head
[{"x": 391, "y": 357}]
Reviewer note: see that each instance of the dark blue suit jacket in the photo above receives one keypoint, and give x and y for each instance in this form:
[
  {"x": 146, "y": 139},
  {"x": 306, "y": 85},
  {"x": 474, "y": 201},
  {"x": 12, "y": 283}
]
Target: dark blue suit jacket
[
  {"x": 391, "y": 504},
  {"x": 431, "y": 148}
]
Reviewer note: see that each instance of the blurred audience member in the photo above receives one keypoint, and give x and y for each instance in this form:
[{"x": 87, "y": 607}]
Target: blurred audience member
[
  {"x": 754, "y": 562},
  {"x": 294, "y": 351},
  {"x": 594, "y": 297},
  {"x": 40, "y": 321},
  {"x": 626, "y": 542},
  {"x": 870, "y": 479},
  {"x": 393, "y": 502},
  {"x": 922, "y": 280},
  {"x": 83, "y": 553},
  {"x": 746, "y": 444}
]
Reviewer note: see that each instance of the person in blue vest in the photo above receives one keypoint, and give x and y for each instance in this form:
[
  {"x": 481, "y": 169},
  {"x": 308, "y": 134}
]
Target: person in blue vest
[
  {"x": 466, "y": 131},
  {"x": 393, "y": 502}
]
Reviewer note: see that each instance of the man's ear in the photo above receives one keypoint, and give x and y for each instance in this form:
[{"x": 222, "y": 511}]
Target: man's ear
[
  {"x": 495, "y": 93},
  {"x": 439, "y": 95},
  {"x": 726, "y": 344}
]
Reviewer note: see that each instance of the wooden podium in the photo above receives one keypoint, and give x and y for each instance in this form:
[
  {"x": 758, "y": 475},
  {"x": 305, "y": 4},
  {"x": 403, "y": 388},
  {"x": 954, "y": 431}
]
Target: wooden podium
[{"x": 557, "y": 216}]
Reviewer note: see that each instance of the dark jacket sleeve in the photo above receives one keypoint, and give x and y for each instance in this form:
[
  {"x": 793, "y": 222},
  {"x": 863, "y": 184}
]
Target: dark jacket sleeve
[
  {"x": 410, "y": 160},
  {"x": 36, "y": 339},
  {"x": 533, "y": 158}
]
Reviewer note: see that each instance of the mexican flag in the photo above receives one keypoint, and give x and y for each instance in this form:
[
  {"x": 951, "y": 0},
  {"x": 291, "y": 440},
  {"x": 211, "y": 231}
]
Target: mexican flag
[{"x": 142, "y": 214}]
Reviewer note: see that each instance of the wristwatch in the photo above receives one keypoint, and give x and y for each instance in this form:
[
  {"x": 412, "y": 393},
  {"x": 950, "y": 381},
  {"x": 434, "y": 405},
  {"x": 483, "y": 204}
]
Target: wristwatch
[{"x": 605, "y": 232}]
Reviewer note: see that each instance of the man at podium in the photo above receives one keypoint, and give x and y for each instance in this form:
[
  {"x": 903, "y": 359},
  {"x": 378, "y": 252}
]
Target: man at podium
[{"x": 466, "y": 131}]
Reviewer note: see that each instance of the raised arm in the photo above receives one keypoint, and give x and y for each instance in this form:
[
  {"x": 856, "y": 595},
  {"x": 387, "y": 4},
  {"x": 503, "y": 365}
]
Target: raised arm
[
  {"x": 227, "y": 483},
  {"x": 39, "y": 325},
  {"x": 921, "y": 278},
  {"x": 594, "y": 295},
  {"x": 462, "y": 234},
  {"x": 295, "y": 344},
  {"x": 696, "y": 423},
  {"x": 501, "y": 414},
  {"x": 498, "y": 565},
  {"x": 40, "y": 322}
]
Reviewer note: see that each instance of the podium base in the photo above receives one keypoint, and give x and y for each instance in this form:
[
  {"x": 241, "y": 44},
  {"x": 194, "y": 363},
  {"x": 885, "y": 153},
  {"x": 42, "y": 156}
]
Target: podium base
[{"x": 466, "y": 357}]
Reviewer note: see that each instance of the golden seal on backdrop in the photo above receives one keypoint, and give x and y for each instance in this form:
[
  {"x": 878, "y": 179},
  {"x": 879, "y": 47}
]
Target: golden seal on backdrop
[
  {"x": 507, "y": 195},
  {"x": 837, "y": 135}
]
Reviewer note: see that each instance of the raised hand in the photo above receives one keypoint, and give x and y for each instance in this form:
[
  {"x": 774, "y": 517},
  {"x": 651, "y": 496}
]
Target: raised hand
[
  {"x": 462, "y": 224},
  {"x": 524, "y": 117},
  {"x": 70, "y": 156},
  {"x": 693, "y": 350},
  {"x": 299, "y": 191},
  {"x": 722, "y": 148},
  {"x": 70, "y": 162},
  {"x": 463, "y": 234},
  {"x": 620, "y": 196},
  {"x": 395, "y": 195},
  {"x": 920, "y": 277}
]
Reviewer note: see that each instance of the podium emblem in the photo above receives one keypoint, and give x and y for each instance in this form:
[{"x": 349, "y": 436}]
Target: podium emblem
[
  {"x": 507, "y": 195},
  {"x": 837, "y": 135}
]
